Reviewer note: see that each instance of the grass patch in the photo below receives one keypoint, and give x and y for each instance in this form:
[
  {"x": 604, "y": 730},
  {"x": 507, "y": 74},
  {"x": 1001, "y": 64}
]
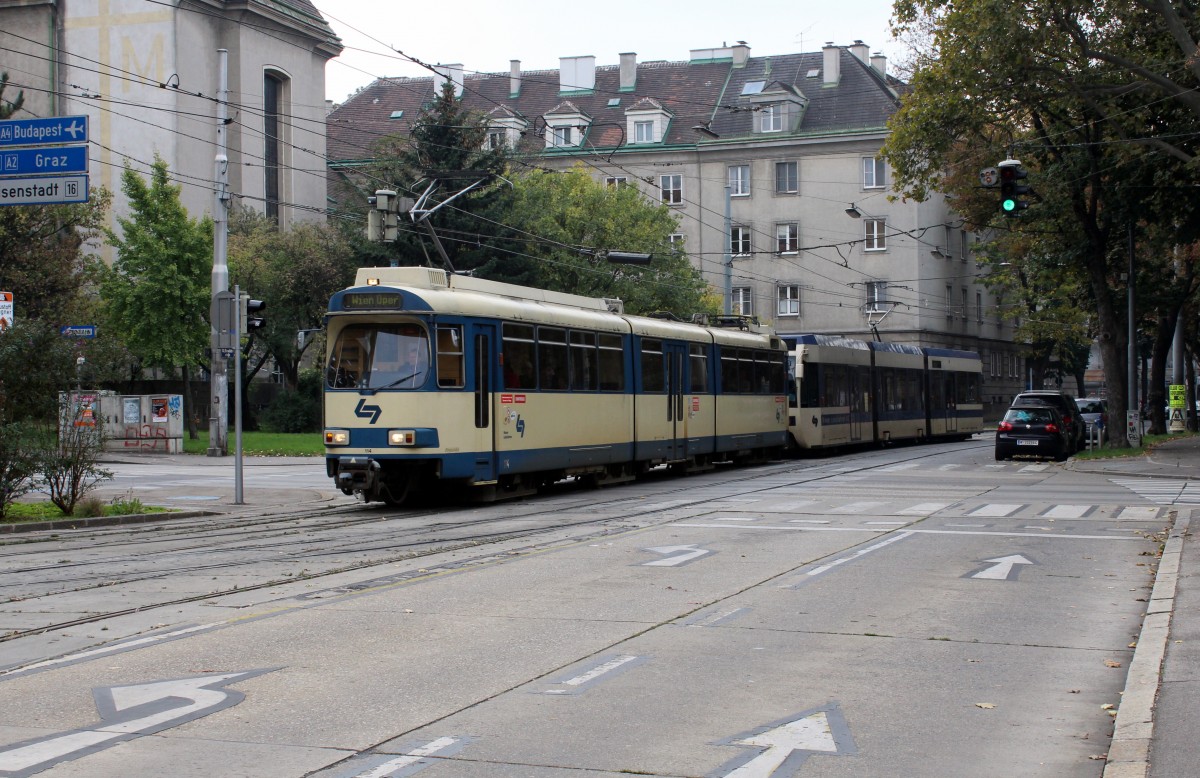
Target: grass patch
[
  {"x": 1148, "y": 444},
  {"x": 89, "y": 507},
  {"x": 264, "y": 444}
]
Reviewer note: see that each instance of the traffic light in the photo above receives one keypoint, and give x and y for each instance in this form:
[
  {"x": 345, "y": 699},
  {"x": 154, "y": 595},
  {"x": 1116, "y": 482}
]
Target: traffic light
[
  {"x": 1011, "y": 190},
  {"x": 250, "y": 313}
]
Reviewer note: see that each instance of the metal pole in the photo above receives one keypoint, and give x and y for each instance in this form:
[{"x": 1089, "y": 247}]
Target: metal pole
[
  {"x": 728, "y": 258},
  {"x": 1132, "y": 400},
  {"x": 237, "y": 398},
  {"x": 218, "y": 413}
]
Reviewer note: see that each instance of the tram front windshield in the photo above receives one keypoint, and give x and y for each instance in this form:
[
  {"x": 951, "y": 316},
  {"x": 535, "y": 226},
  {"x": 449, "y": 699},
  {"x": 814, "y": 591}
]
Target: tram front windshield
[{"x": 379, "y": 356}]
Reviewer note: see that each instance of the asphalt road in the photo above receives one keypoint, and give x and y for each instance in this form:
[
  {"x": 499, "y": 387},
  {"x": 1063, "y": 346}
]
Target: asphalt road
[{"x": 918, "y": 611}]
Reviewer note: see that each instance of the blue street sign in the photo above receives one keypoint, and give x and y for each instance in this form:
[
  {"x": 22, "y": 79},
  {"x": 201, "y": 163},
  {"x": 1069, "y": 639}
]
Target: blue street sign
[
  {"x": 78, "y": 330},
  {"x": 46, "y": 190},
  {"x": 56, "y": 160},
  {"x": 43, "y": 132}
]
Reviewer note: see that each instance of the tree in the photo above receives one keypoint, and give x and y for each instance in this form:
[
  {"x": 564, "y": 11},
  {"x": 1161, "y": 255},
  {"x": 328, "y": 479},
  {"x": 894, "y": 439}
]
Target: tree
[
  {"x": 561, "y": 225},
  {"x": 7, "y": 108},
  {"x": 295, "y": 272},
  {"x": 158, "y": 290},
  {"x": 444, "y": 150},
  {"x": 994, "y": 81}
]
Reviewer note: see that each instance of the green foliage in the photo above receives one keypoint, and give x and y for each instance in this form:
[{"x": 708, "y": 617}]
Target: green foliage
[
  {"x": 295, "y": 410},
  {"x": 445, "y": 144},
  {"x": 9, "y": 107},
  {"x": 36, "y": 363},
  {"x": 263, "y": 444},
  {"x": 159, "y": 289},
  {"x": 295, "y": 273},
  {"x": 576, "y": 220},
  {"x": 21, "y": 450}
]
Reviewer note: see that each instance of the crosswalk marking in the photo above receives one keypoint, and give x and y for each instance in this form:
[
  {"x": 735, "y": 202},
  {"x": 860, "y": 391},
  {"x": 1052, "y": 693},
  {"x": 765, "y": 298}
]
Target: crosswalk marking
[
  {"x": 924, "y": 508},
  {"x": 1162, "y": 490},
  {"x": 995, "y": 510},
  {"x": 858, "y": 507},
  {"x": 1067, "y": 512}
]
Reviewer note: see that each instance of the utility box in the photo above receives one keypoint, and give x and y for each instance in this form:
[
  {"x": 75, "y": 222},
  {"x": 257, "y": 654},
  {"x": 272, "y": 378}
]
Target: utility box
[{"x": 145, "y": 423}]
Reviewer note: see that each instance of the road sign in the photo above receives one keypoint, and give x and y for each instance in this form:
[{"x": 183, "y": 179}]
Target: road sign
[
  {"x": 78, "y": 331},
  {"x": 6, "y": 310},
  {"x": 1178, "y": 395},
  {"x": 44, "y": 132},
  {"x": 44, "y": 190},
  {"x": 56, "y": 159}
]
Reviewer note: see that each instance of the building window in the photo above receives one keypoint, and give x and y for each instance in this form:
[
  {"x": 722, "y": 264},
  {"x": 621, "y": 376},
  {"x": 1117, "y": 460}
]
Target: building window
[
  {"x": 742, "y": 301},
  {"x": 979, "y": 307},
  {"x": 560, "y": 136},
  {"x": 876, "y": 296},
  {"x": 949, "y": 302},
  {"x": 873, "y": 177},
  {"x": 770, "y": 118},
  {"x": 787, "y": 238},
  {"x": 676, "y": 238},
  {"x": 789, "y": 301},
  {"x": 739, "y": 241},
  {"x": 497, "y": 139},
  {"x": 672, "y": 188},
  {"x": 874, "y": 238},
  {"x": 787, "y": 180},
  {"x": 643, "y": 132},
  {"x": 273, "y": 87},
  {"x": 964, "y": 239},
  {"x": 616, "y": 182},
  {"x": 739, "y": 180}
]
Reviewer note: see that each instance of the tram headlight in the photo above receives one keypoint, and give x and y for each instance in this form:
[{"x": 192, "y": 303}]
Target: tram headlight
[
  {"x": 402, "y": 437},
  {"x": 337, "y": 437}
]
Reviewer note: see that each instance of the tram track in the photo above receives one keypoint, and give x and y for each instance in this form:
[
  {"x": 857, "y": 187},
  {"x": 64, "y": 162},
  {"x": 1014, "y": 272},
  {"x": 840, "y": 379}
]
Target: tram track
[{"x": 326, "y": 544}]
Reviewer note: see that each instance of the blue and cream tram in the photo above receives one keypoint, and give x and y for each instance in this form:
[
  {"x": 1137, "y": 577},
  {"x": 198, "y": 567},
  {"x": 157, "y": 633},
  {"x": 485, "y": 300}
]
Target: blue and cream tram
[
  {"x": 850, "y": 392},
  {"x": 497, "y": 389}
]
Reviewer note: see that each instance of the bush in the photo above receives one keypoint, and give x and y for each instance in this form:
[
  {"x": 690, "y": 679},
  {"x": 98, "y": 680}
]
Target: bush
[
  {"x": 22, "y": 456},
  {"x": 291, "y": 412}
]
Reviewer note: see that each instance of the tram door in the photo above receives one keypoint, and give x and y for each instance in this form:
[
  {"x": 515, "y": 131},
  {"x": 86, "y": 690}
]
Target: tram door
[
  {"x": 483, "y": 358},
  {"x": 950, "y": 391},
  {"x": 860, "y": 401},
  {"x": 676, "y": 358}
]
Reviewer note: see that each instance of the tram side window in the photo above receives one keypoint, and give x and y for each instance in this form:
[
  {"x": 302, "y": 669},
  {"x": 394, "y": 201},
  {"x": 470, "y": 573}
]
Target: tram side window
[
  {"x": 837, "y": 386},
  {"x": 654, "y": 377},
  {"x": 612, "y": 364},
  {"x": 552, "y": 358},
  {"x": 583, "y": 361},
  {"x": 938, "y": 396},
  {"x": 810, "y": 378},
  {"x": 450, "y": 371},
  {"x": 968, "y": 385},
  {"x": 518, "y": 357},
  {"x": 698, "y": 357},
  {"x": 778, "y": 372}
]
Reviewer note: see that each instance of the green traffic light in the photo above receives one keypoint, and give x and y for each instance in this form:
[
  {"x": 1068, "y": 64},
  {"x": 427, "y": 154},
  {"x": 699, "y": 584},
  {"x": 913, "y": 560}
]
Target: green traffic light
[{"x": 1008, "y": 205}]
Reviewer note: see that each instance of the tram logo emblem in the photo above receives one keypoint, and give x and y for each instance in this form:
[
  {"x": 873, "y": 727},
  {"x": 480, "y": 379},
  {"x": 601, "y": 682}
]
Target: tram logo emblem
[{"x": 364, "y": 411}]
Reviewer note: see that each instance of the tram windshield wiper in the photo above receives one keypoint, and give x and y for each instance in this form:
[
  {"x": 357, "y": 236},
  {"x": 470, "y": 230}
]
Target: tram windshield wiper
[{"x": 397, "y": 382}]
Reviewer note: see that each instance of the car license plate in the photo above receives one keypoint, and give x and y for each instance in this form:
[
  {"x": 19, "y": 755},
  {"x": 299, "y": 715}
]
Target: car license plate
[{"x": 1027, "y": 442}]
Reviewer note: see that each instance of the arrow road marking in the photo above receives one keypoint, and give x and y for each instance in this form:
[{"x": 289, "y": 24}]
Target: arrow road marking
[
  {"x": 127, "y": 712},
  {"x": 363, "y": 411},
  {"x": 789, "y": 743},
  {"x": 682, "y": 555},
  {"x": 1004, "y": 569}
]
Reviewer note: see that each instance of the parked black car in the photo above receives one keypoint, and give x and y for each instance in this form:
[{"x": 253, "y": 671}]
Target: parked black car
[
  {"x": 1034, "y": 430},
  {"x": 1066, "y": 407}
]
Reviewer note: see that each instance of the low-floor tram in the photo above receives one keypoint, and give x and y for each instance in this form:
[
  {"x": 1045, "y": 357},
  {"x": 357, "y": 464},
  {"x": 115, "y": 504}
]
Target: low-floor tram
[
  {"x": 490, "y": 389},
  {"x": 853, "y": 392}
]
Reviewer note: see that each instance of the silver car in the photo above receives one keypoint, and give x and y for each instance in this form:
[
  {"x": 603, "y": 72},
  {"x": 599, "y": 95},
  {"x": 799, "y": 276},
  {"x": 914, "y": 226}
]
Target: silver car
[{"x": 1093, "y": 410}]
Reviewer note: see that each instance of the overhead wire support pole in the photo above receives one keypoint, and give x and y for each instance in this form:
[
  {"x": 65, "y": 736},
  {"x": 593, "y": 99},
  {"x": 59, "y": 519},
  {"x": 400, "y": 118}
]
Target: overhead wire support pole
[{"x": 218, "y": 407}]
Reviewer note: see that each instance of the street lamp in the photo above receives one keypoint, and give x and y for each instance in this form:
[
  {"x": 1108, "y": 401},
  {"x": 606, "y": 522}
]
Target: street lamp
[{"x": 853, "y": 212}]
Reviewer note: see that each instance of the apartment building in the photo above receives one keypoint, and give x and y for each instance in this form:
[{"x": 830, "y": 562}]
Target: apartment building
[{"x": 771, "y": 165}]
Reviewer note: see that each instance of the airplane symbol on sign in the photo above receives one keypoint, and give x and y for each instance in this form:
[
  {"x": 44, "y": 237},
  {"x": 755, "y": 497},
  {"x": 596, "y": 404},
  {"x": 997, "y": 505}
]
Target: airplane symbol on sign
[{"x": 74, "y": 128}]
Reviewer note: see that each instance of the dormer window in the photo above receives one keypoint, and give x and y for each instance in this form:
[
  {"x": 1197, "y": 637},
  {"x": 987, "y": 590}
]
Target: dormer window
[
  {"x": 646, "y": 121},
  {"x": 778, "y": 107},
  {"x": 505, "y": 127},
  {"x": 565, "y": 125}
]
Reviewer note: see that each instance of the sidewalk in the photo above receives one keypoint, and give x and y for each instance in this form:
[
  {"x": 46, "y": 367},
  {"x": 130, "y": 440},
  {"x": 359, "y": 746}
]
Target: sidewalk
[{"x": 1154, "y": 735}]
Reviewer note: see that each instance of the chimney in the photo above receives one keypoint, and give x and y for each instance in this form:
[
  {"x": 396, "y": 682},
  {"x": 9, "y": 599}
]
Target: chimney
[
  {"x": 879, "y": 62},
  {"x": 628, "y": 71},
  {"x": 741, "y": 53},
  {"x": 329, "y": 106},
  {"x": 514, "y": 78},
  {"x": 576, "y": 74},
  {"x": 832, "y": 63},
  {"x": 862, "y": 51},
  {"x": 451, "y": 73}
]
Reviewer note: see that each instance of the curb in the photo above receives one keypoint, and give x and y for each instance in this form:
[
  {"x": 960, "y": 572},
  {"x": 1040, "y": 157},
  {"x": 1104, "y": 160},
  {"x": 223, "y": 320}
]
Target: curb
[
  {"x": 101, "y": 521},
  {"x": 1129, "y": 752}
]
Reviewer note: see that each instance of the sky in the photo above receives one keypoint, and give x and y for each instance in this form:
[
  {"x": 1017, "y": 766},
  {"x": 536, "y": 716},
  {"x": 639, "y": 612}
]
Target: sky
[{"x": 483, "y": 35}]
